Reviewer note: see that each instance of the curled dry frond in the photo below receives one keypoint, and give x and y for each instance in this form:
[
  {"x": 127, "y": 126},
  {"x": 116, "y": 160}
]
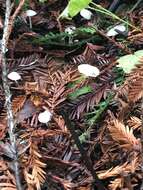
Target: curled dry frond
[
  {"x": 124, "y": 135},
  {"x": 34, "y": 168}
]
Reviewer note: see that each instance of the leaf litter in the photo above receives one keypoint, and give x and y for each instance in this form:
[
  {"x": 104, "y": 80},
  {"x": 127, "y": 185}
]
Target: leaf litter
[{"x": 43, "y": 58}]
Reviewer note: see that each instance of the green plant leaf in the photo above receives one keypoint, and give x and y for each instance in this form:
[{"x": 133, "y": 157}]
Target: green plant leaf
[
  {"x": 129, "y": 62},
  {"x": 79, "y": 92},
  {"x": 139, "y": 53},
  {"x": 74, "y": 7},
  {"x": 84, "y": 30},
  {"x": 42, "y": 1}
]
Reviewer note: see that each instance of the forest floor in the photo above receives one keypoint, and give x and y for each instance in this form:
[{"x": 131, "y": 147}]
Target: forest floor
[{"x": 75, "y": 130}]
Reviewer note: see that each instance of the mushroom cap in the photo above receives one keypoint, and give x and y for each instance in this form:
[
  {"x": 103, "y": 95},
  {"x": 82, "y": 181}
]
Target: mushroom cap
[
  {"x": 88, "y": 70},
  {"x": 70, "y": 29},
  {"x": 86, "y": 14},
  {"x": 113, "y": 32},
  {"x": 31, "y": 13},
  {"x": 14, "y": 76},
  {"x": 45, "y": 116}
]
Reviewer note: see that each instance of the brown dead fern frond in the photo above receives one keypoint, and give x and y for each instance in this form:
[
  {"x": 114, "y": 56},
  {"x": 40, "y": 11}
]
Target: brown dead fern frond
[
  {"x": 116, "y": 184},
  {"x": 58, "y": 82},
  {"x": 112, "y": 172},
  {"x": 34, "y": 168},
  {"x": 17, "y": 103},
  {"x": 87, "y": 102},
  {"x": 126, "y": 168},
  {"x": 132, "y": 88},
  {"x": 90, "y": 56},
  {"x": 3, "y": 129},
  {"x": 124, "y": 135},
  {"x": 7, "y": 179},
  {"x": 135, "y": 123},
  {"x": 136, "y": 90},
  {"x": 66, "y": 184},
  {"x": 100, "y": 89}
]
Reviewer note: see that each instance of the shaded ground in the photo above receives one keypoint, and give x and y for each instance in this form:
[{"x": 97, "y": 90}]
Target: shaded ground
[{"x": 105, "y": 111}]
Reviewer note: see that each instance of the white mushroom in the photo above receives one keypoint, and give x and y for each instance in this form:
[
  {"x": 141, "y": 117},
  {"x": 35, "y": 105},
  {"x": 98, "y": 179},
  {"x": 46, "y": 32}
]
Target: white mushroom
[
  {"x": 70, "y": 29},
  {"x": 88, "y": 70},
  {"x": 45, "y": 116},
  {"x": 113, "y": 32},
  {"x": 86, "y": 14},
  {"x": 30, "y": 13},
  {"x": 14, "y": 76}
]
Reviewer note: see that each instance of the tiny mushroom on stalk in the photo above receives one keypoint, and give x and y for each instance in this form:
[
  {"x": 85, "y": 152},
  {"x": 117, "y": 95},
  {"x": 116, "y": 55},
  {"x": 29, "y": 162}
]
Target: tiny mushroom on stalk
[
  {"x": 88, "y": 70},
  {"x": 45, "y": 116},
  {"x": 30, "y": 13},
  {"x": 14, "y": 76}
]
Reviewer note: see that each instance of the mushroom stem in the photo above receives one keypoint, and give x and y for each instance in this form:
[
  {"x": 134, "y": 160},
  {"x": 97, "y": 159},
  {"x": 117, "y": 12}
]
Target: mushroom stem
[{"x": 30, "y": 22}]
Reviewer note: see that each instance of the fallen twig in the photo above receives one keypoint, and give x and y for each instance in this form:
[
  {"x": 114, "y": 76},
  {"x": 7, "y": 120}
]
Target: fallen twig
[{"x": 8, "y": 25}]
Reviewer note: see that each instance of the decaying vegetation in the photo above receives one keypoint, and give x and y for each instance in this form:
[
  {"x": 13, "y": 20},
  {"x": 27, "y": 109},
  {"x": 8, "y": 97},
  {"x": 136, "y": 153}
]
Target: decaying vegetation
[{"x": 93, "y": 138}]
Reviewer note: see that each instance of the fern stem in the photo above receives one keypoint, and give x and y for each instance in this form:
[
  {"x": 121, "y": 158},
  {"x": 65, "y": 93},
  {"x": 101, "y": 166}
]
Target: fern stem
[
  {"x": 86, "y": 159},
  {"x": 98, "y": 113},
  {"x": 135, "y": 6}
]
